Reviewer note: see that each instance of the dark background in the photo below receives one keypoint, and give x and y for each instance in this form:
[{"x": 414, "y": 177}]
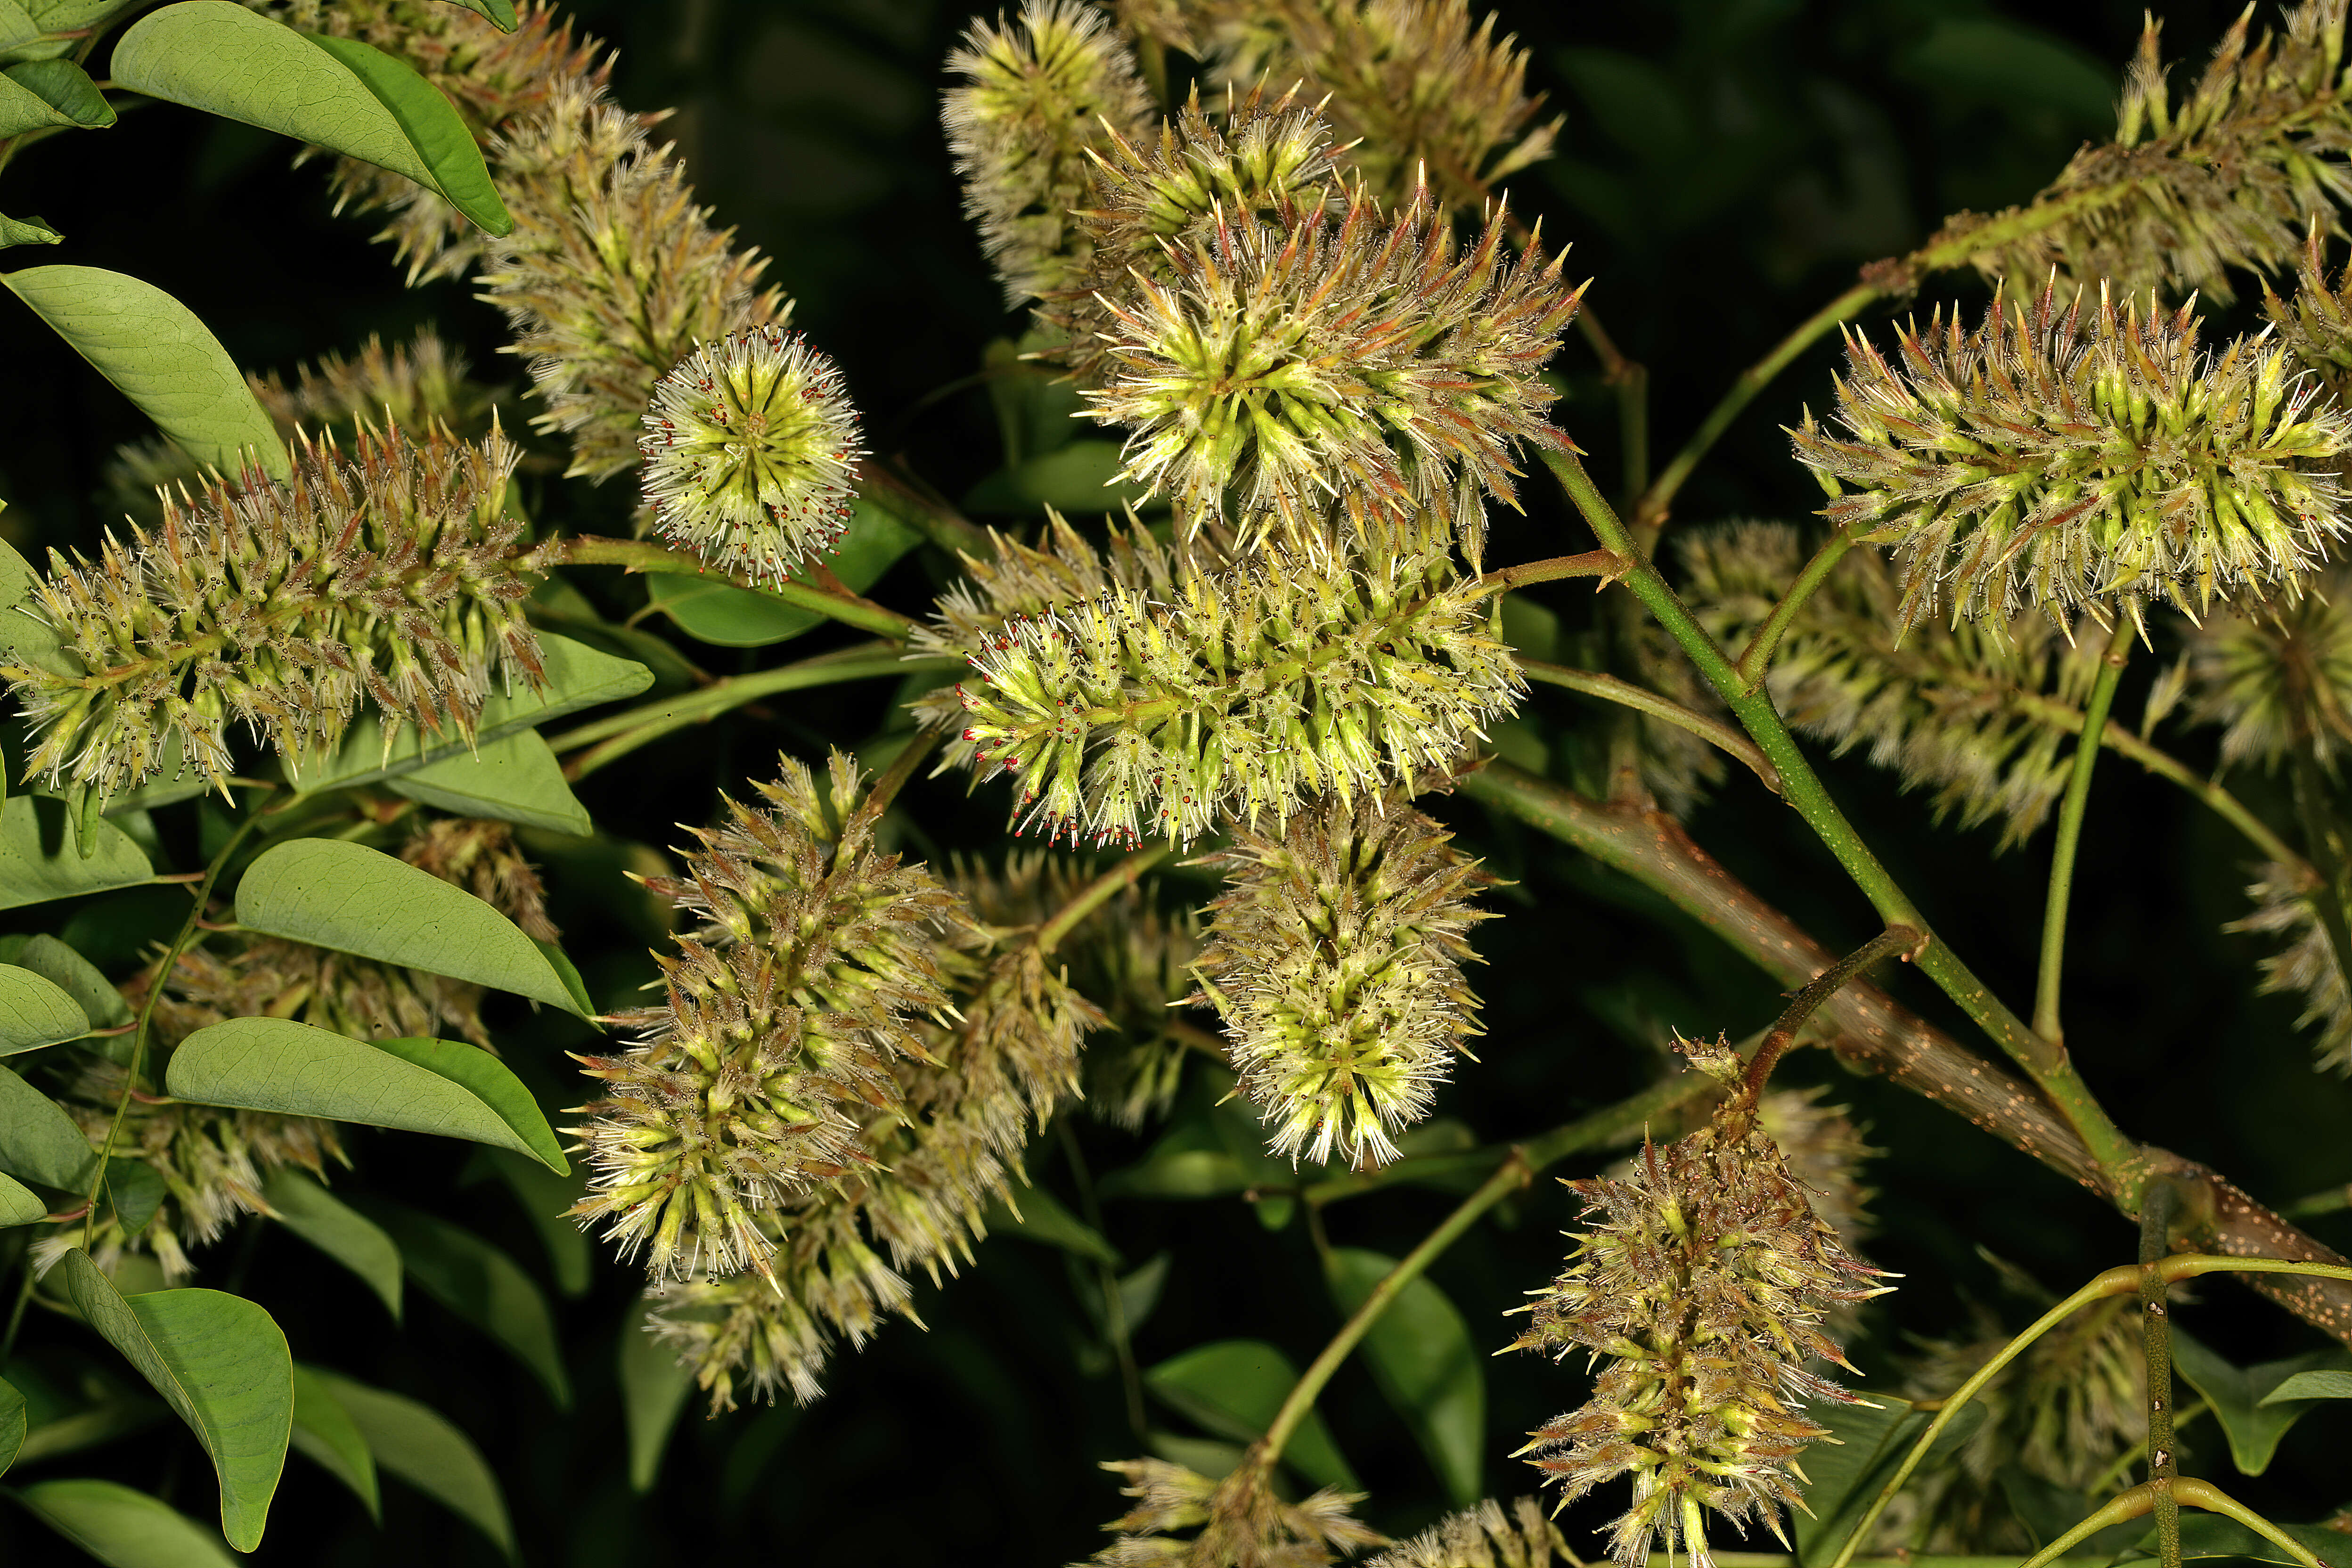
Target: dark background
[{"x": 1725, "y": 166}]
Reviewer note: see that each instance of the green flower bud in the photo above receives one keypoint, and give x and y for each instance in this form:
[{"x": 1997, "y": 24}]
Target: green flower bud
[
  {"x": 1336, "y": 956},
  {"x": 393, "y": 575},
  {"x": 2052, "y": 461},
  {"x": 1250, "y": 690},
  {"x": 751, "y": 453}
]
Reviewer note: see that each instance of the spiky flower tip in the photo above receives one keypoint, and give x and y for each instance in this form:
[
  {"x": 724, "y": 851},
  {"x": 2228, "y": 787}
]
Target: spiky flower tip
[
  {"x": 613, "y": 274},
  {"x": 1334, "y": 956},
  {"x": 2304, "y": 963},
  {"x": 935, "y": 1162},
  {"x": 751, "y": 453},
  {"x": 1356, "y": 363},
  {"x": 1977, "y": 712},
  {"x": 2187, "y": 190},
  {"x": 2074, "y": 1406},
  {"x": 1703, "y": 1284},
  {"x": 393, "y": 575},
  {"x": 2278, "y": 675},
  {"x": 813, "y": 957},
  {"x": 1252, "y": 690},
  {"x": 1413, "y": 85},
  {"x": 2081, "y": 458},
  {"x": 1037, "y": 95},
  {"x": 1134, "y": 954},
  {"x": 1263, "y": 160},
  {"x": 1238, "y": 1521},
  {"x": 2316, "y": 321},
  {"x": 1483, "y": 1537}
]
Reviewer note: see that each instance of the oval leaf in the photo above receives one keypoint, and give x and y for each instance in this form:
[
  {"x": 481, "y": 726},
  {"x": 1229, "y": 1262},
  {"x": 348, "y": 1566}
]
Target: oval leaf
[
  {"x": 338, "y": 1230},
  {"x": 2239, "y": 1395},
  {"x": 337, "y": 94},
  {"x": 38, "y": 861},
  {"x": 2312, "y": 1385},
  {"x": 439, "y": 136},
  {"x": 356, "y": 900},
  {"x": 484, "y": 1286},
  {"x": 325, "y": 1434},
  {"x": 1233, "y": 1387},
  {"x": 500, "y": 14},
  {"x": 26, "y": 231},
  {"x": 487, "y": 1079},
  {"x": 1421, "y": 1354},
  {"x": 517, "y": 779},
  {"x": 220, "y": 1363},
  {"x": 40, "y": 1142},
  {"x": 70, "y": 973},
  {"x": 422, "y": 1448},
  {"x": 35, "y": 1012},
  {"x": 1042, "y": 1218},
  {"x": 18, "y": 1205},
  {"x": 12, "y": 1424},
  {"x": 159, "y": 355},
  {"x": 51, "y": 92},
  {"x": 654, "y": 1389},
  {"x": 276, "y": 1064},
  {"x": 124, "y": 1529}
]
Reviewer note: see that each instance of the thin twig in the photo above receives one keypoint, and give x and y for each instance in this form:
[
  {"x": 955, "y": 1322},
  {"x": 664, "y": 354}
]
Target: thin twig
[
  {"x": 2071, "y": 811},
  {"x": 1624, "y": 693}
]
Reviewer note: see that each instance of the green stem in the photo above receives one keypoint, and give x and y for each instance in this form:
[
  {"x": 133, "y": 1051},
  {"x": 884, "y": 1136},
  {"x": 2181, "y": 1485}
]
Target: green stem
[
  {"x": 2334, "y": 1200},
  {"x": 141, "y": 1029},
  {"x": 913, "y": 504},
  {"x": 1096, "y": 894},
  {"x": 1756, "y": 660},
  {"x": 2213, "y": 1499},
  {"x": 2119, "y": 1281},
  {"x": 644, "y": 555},
  {"x": 2163, "y": 1203},
  {"x": 2071, "y": 811},
  {"x": 902, "y": 767},
  {"x": 2045, "y": 1061},
  {"x": 1606, "y": 564},
  {"x": 2121, "y": 1509},
  {"x": 1514, "y": 1174},
  {"x": 1608, "y": 689}
]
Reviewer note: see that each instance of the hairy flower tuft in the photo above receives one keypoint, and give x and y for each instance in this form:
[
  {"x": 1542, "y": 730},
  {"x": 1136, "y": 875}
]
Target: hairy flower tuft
[
  {"x": 1278, "y": 372},
  {"x": 2081, "y": 458},
  {"x": 1703, "y": 1286},
  {"x": 2304, "y": 963},
  {"x": 1417, "y": 87},
  {"x": 813, "y": 956},
  {"x": 1483, "y": 1537},
  {"x": 1334, "y": 956},
  {"x": 393, "y": 575},
  {"x": 751, "y": 453},
  {"x": 2187, "y": 190},
  {"x": 2278, "y": 675},
  {"x": 1981, "y": 713},
  {"x": 1038, "y": 95},
  {"x": 1251, "y": 691},
  {"x": 1240, "y": 1524}
]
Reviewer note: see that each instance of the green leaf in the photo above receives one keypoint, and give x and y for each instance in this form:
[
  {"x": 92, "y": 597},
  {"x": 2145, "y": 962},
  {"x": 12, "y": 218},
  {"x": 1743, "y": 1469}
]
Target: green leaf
[
  {"x": 18, "y": 1204},
  {"x": 714, "y": 611},
  {"x": 34, "y": 93},
  {"x": 654, "y": 1389},
  {"x": 17, "y": 27},
  {"x": 2239, "y": 1395},
  {"x": 325, "y": 1434},
  {"x": 1233, "y": 1387},
  {"x": 2212, "y": 1535},
  {"x": 1421, "y": 1354},
  {"x": 499, "y": 12},
  {"x": 124, "y": 1529},
  {"x": 545, "y": 1196},
  {"x": 487, "y": 1080},
  {"x": 26, "y": 231},
  {"x": 515, "y": 779},
  {"x": 294, "y": 1070},
  {"x": 39, "y": 862},
  {"x": 220, "y": 1361},
  {"x": 137, "y": 1190},
  {"x": 482, "y": 1285},
  {"x": 338, "y": 1230},
  {"x": 1076, "y": 479},
  {"x": 1035, "y": 1214},
  {"x": 12, "y": 1424},
  {"x": 337, "y": 94},
  {"x": 1871, "y": 1441},
  {"x": 77, "y": 976},
  {"x": 24, "y": 637},
  {"x": 35, "y": 1012},
  {"x": 353, "y": 899},
  {"x": 157, "y": 355},
  {"x": 421, "y": 1447},
  {"x": 40, "y": 1142},
  {"x": 577, "y": 675},
  {"x": 2312, "y": 1385},
  {"x": 433, "y": 128}
]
